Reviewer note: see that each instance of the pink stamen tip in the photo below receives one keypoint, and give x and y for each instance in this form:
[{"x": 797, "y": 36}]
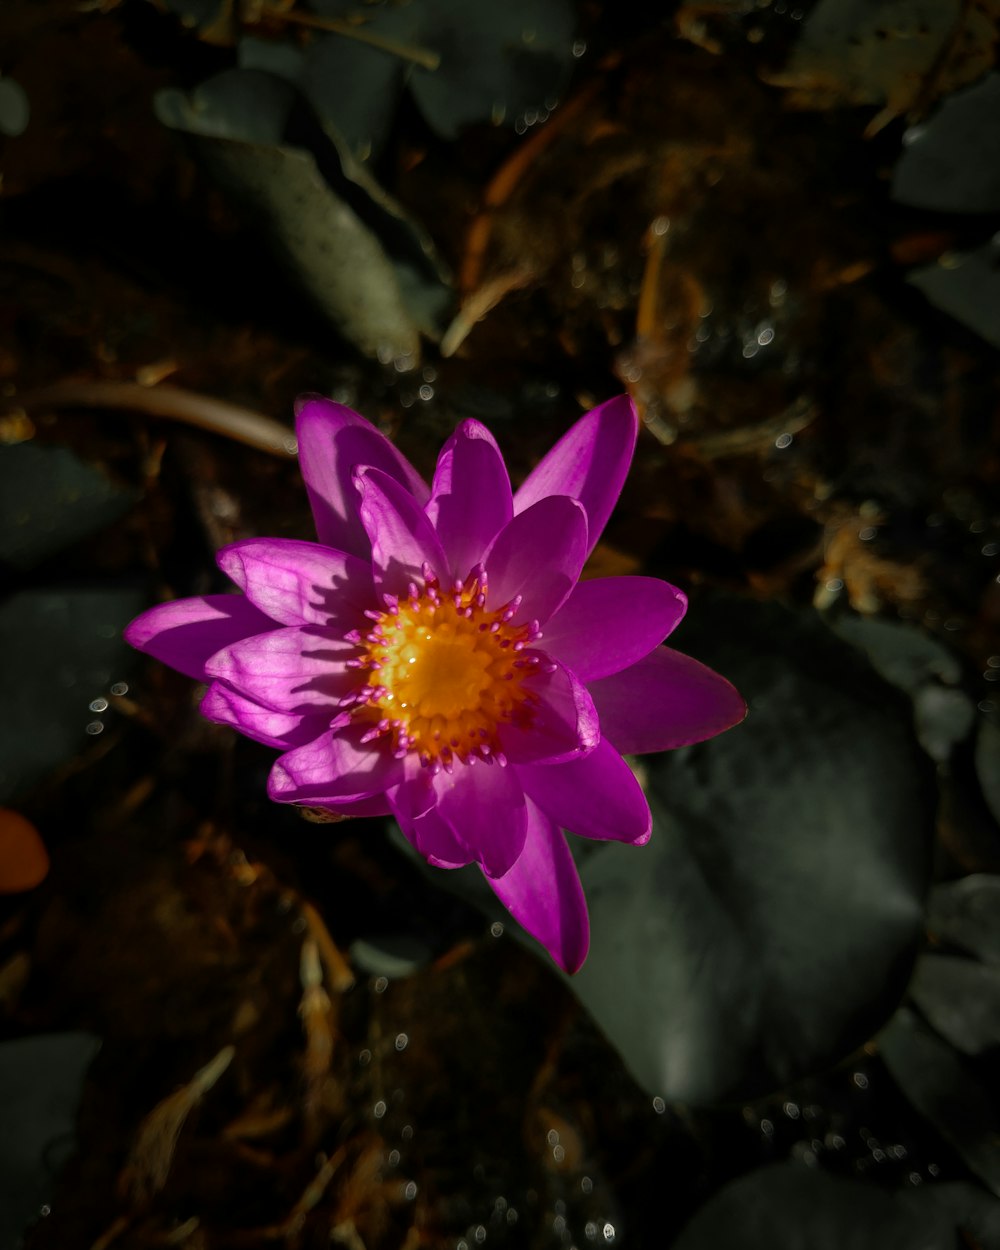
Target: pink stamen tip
[
  {"x": 355, "y": 663},
  {"x": 495, "y": 627},
  {"x": 519, "y": 646},
  {"x": 353, "y": 635},
  {"x": 501, "y": 759},
  {"x": 370, "y": 736},
  {"x": 550, "y": 668},
  {"x": 372, "y": 614}
]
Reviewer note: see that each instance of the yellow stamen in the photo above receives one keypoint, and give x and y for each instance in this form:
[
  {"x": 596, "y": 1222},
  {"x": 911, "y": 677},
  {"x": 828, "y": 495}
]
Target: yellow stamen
[{"x": 444, "y": 673}]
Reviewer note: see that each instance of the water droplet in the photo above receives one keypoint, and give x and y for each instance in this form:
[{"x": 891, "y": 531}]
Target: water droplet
[
  {"x": 379, "y": 1110},
  {"x": 402, "y": 1041},
  {"x": 410, "y": 1192},
  {"x": 496, "y": 929},
  {"x": 99, "y": 705},
  {"x": 783, "y": 441},
  {"x": 381, "y": 985},
  {"x": 579, "y": 48},
  {"x": 859, "y": 1078},
  {"x": 659, "y": 1106},
  {"x": 95, "y": 727}
]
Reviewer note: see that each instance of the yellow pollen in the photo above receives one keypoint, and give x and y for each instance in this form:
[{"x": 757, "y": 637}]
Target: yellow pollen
[{"x": 443, "y": 673}]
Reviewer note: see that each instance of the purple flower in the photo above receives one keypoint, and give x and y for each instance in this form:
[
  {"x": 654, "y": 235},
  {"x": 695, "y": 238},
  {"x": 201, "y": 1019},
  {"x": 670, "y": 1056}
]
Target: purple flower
[{"x": 435, "y": 656}]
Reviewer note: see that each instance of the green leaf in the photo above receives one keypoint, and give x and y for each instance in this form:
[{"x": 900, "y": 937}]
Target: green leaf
[
  {"x": 966, "y": 285},
  {"x": 961, "y": 999},
  {"x": 498, "y": 61},
  {"x": 988, "y": 763},
  {"x": 364, "y": 264},
  {"x": 62, "y": 650},
  {"x": 936, "y": 1082},
  {"x": 768, "y": 927},
  {"x": 951, "y": 162},
  {"x": 792, "y": 1207},
  {"x": 40, "y": 1082},
  {"x": 49, "y": 499},
  {"x": 966, "y": 913}
]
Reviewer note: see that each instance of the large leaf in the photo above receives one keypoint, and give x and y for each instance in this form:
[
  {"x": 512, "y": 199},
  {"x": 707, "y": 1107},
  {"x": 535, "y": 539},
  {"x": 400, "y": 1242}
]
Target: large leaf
[
  {"x": 62, "y": 650},
  {"x": 40, "y": 1080},
  {"x": 791, "y": 1207},
  {"x": 769, "y": 925},
  {"x": 50, "y": 499}
]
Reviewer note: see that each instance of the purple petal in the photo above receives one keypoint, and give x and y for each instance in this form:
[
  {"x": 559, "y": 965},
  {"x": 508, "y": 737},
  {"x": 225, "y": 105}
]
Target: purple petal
[
  {"x": 423, "y": 826},
  {"x": 186, "y": 633},
  {"x": 470, "y": 500},
  {"x": 589, "y": 463},
  {"x": 666, "y": 700},
  {"x": 542, "y": 891},
  {"x": 402, "y": 538},
  {"x": 564, "y": 722},
  {"x": 333, "y": 442},
  {"x": 539, "y": 556},
  {"x": 484, "y": 806},
  {"x": 611, "y": 622},
  {"x": 263, "y": 724},
  {"x": 300, "y": 583},
  {"x": 334, "y": 769},
  {"x": 296, "y": 670},
  {"x": 597, "y": 797}
]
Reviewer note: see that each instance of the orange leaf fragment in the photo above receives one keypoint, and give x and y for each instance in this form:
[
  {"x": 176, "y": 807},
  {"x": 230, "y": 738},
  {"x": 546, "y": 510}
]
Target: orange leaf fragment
[{"x": 24, "y": 861}]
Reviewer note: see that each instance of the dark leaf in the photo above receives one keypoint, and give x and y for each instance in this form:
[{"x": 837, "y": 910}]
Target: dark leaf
[
  {"x": 966, "y": 285},
  {"x": 40, "y": 1081},
  {"x": 49, "y": 499},
  {"x": 792, "y": 1207},
  {"x": 934, "y": 1079},
  {"x": 951, "y": 162},
  {"x": 768, "y": 926},
  {"x": 498, "y": 61},
  {"x": 363, "y": 263},
  {"x": 62, "y": 651},
  {"x": 961, "y": 998},
  {"x": 966, "y": 913}
]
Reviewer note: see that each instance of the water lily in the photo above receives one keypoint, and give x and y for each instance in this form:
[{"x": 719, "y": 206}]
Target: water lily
[{"x": 435, "y": 656}]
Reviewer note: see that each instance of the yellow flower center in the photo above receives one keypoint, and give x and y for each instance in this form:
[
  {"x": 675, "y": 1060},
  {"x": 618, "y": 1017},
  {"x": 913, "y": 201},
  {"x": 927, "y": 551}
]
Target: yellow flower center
[{"x": 443, "y": 673}]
